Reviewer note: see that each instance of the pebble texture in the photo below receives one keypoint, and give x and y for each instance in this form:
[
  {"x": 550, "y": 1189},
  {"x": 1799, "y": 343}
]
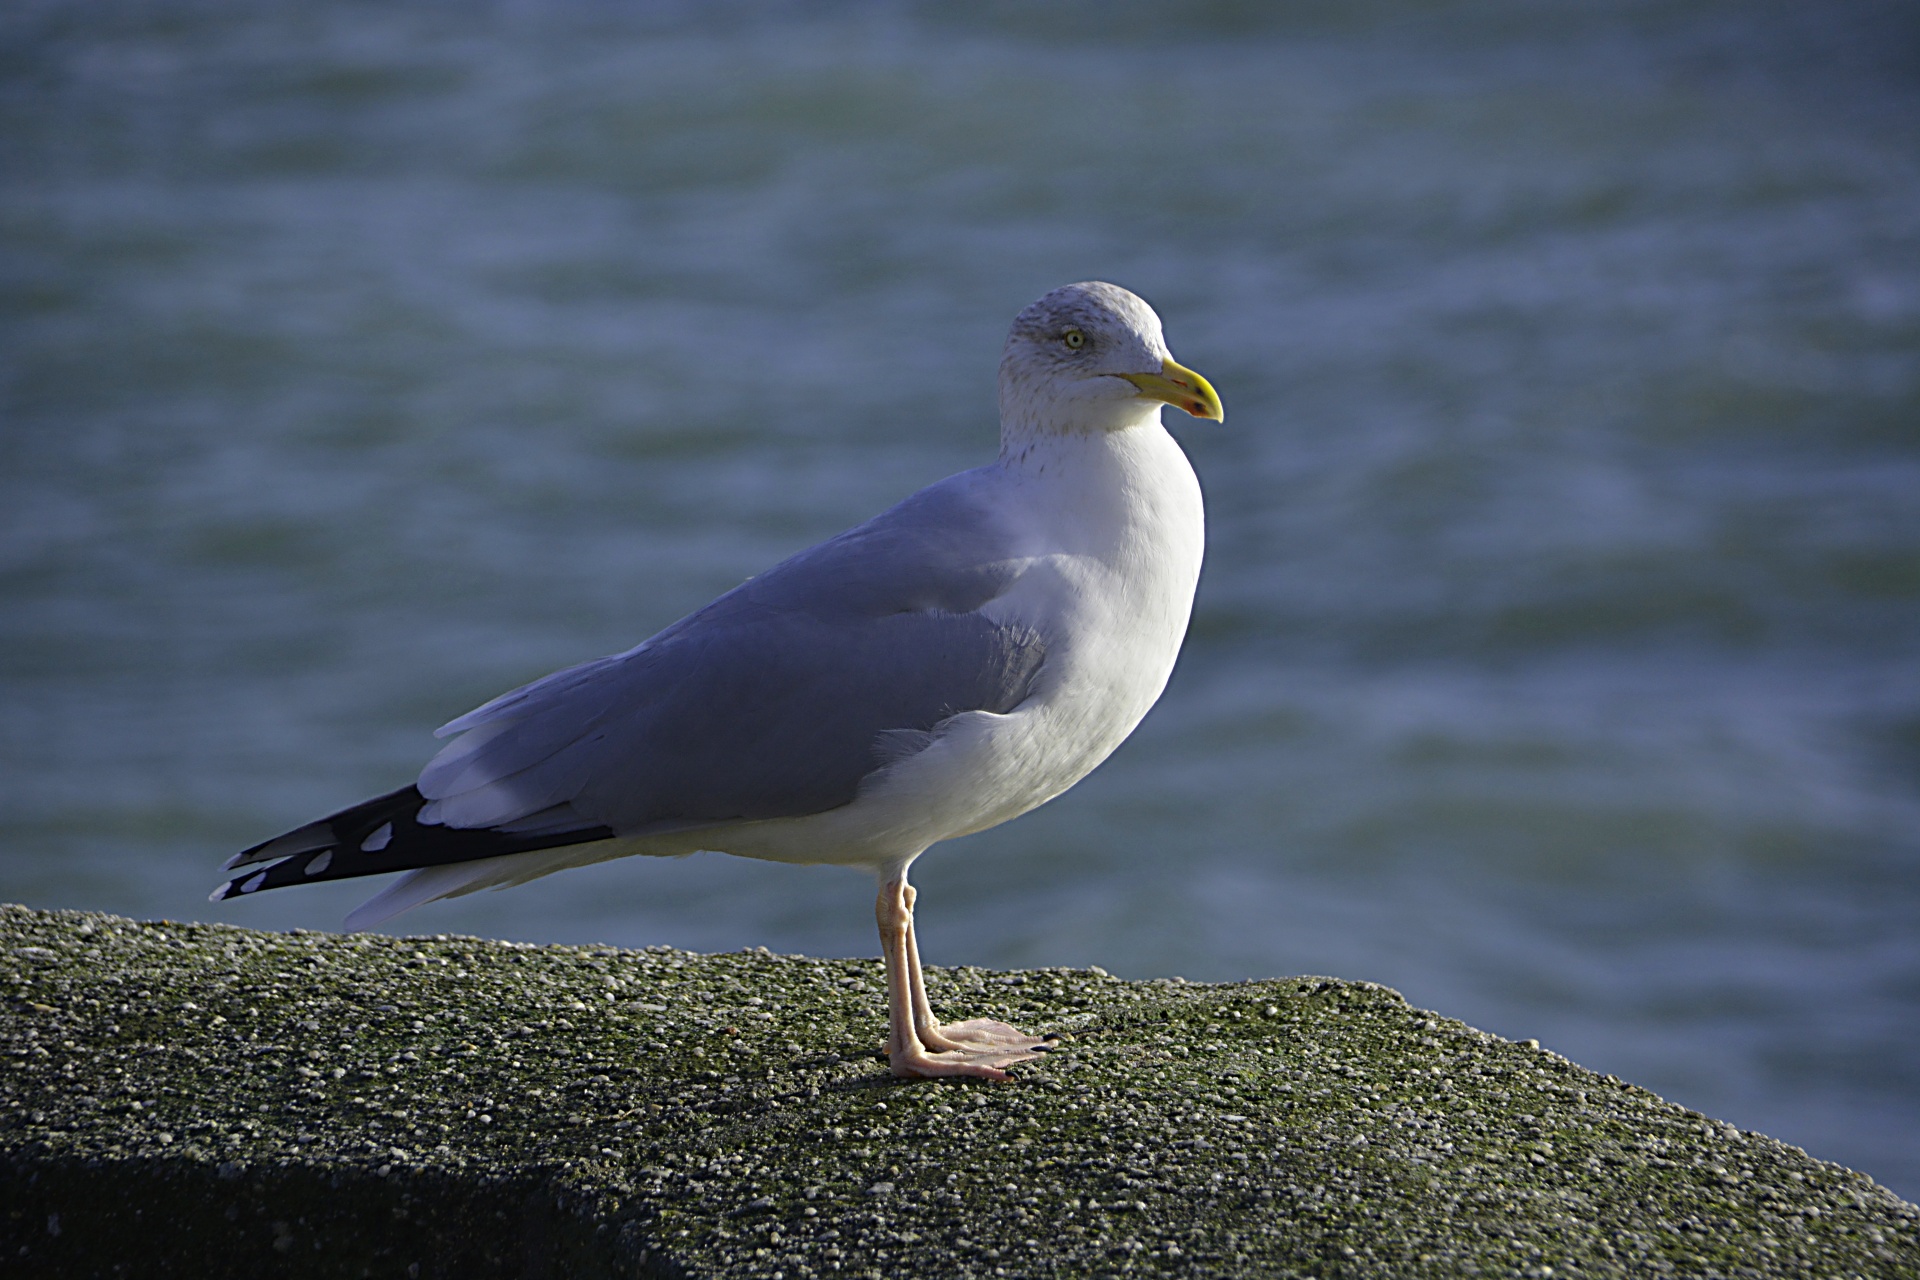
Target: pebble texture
[{"x": 196, "y": 1100}]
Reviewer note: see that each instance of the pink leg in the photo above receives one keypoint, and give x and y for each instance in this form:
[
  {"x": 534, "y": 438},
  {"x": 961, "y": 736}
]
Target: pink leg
[{"x": 917, "y": 1045}]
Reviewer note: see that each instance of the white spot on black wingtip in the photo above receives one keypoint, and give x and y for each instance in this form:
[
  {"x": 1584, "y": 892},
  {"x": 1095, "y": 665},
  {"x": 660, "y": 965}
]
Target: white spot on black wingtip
[
  {"x": 253, "y": 882},
  {"x": 320, "y": 863},
  {"x": 379, "y": 840}
]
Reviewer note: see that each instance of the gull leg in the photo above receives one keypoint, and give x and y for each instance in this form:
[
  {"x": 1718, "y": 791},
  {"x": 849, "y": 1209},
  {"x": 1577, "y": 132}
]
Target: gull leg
[
  {"x": 925, "y": 1025},
  {"x": 973, "y": 1034},
  {"x": 917, "y": 1045}
]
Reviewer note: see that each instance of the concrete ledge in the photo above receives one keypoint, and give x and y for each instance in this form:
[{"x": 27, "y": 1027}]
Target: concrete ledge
[{"x": 203, "y": 1101}]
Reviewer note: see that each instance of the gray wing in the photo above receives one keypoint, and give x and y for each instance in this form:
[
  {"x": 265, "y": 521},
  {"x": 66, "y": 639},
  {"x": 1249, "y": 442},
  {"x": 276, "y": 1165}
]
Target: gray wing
[{"x": 776, "y": 700}]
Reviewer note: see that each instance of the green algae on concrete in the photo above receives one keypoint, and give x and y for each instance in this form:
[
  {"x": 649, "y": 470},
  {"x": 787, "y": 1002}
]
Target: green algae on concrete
[{"x": 210, "y": 1101}]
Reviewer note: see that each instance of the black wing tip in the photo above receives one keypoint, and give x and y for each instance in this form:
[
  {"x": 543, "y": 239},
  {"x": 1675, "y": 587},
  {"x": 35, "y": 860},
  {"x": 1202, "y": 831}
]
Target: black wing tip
[
  {"x": 351, "y": 825},
  {"x": 376, "y": 837},
  {"x": 237, "y": 887},
  {"x": 308, "y": 850}
]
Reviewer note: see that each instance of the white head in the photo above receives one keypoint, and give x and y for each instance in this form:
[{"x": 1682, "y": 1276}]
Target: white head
[{"x": 1089, "y": 357}]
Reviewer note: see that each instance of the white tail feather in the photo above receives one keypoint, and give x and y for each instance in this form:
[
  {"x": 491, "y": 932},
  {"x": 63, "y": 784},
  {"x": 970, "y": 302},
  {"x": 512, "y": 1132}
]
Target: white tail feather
[
  {"x": 427, "y": 884},
  {"x": 424, "y": 885}
]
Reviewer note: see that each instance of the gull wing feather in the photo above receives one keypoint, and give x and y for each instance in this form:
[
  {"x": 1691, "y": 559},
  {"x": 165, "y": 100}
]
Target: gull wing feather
[{"x": 770, "y": 702}]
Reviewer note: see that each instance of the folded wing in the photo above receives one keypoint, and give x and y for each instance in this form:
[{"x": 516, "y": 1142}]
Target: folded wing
[{"x": 777, "y": 700}]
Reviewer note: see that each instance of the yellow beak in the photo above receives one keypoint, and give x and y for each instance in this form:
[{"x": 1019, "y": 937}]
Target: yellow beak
[{"x": 1180, "y": 387}]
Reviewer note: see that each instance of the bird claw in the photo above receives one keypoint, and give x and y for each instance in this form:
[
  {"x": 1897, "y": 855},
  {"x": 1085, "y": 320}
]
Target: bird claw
[
  {"x": 981, "y": 1033},
  {"x": 979, "y": 1047},
  {"x": 979, "y": 1064}
]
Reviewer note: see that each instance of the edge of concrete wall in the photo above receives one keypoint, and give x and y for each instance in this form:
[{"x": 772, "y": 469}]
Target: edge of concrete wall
[{"x": 211, "y": 1101}]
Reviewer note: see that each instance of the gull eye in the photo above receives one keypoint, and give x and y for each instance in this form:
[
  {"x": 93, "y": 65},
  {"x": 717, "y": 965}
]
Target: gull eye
[{"x": 1074, "y": 339}]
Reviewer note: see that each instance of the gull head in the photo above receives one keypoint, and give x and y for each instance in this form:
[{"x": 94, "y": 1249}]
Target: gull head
[{"x": 1090, "y": 357}]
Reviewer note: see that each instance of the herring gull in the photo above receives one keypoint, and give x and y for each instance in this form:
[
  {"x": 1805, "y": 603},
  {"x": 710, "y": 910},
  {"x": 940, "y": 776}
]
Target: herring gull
[{"x": 952, "y": 663}]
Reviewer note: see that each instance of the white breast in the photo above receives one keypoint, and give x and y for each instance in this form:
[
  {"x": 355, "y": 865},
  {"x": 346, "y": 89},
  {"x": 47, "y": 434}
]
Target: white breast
[{"x": 1118, "y": 541}]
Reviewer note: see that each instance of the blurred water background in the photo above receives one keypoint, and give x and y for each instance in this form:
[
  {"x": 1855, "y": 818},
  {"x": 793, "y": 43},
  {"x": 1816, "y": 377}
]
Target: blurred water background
[{"x": 1555, "y": 659}]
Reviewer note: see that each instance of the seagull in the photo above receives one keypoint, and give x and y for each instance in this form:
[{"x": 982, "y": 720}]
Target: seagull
[{"x": 950, "y": 664}]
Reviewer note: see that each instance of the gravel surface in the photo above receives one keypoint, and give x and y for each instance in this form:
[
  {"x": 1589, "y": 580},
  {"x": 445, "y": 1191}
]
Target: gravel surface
[{"x": 209, "y": 1101}]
